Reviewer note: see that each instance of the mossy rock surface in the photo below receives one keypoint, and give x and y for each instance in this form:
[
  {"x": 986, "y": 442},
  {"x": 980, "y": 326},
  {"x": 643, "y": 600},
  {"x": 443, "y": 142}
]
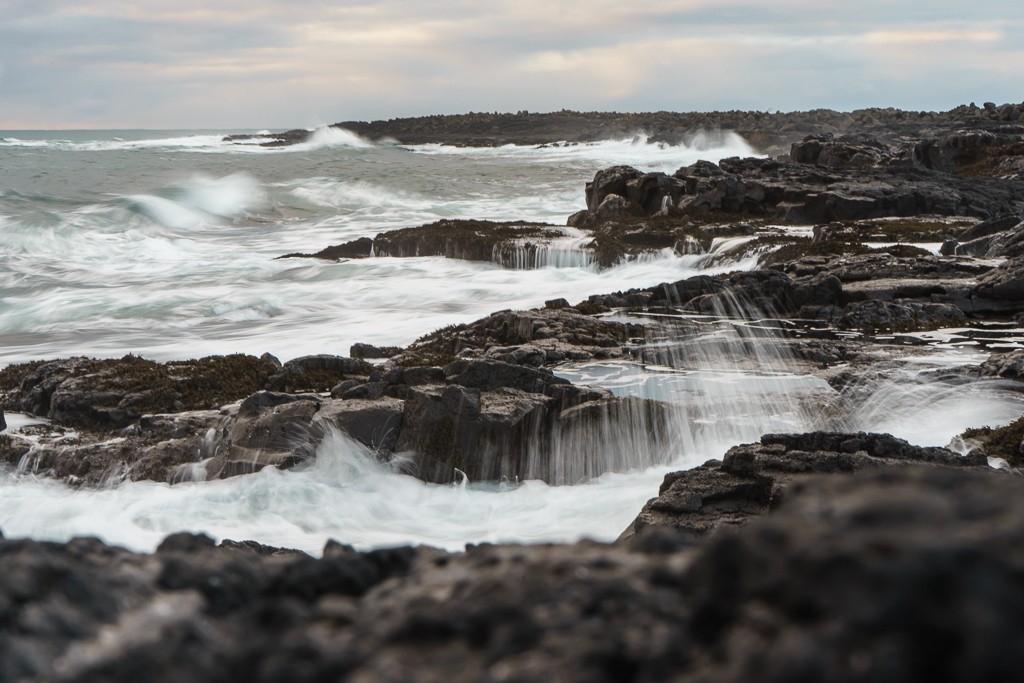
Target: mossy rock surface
[
  {"x": 991, "y": 161},
  {"x": 113, "y": 391},
  {"x": 1001, "y": 442},
  {"x": 792, "y": 249},
  {"x": 463, "y": 239}
]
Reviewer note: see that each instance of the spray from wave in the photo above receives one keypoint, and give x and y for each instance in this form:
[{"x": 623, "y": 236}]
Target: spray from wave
[
  {"x": 201, "y": 200},
  {"x": 347, "y": 495},
  {"x": 639, "y": 150},
  {"x": 327, "y": 137}
]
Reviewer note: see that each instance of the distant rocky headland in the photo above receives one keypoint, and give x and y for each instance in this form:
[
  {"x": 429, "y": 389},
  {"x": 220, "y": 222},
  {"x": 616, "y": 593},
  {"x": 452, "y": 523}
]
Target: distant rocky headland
[
  {"x": 831, "y": 555},
  {"x": 769, "y": 132}
]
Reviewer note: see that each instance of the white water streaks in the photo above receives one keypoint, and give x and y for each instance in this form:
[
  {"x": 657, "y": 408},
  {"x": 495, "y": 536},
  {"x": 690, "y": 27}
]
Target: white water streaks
[
  {"x": 347, "y": 495},
  {"x": 637, "y": 150},
  {"x": 98, "y": 256},
  {"x": 175, "y": 301}
]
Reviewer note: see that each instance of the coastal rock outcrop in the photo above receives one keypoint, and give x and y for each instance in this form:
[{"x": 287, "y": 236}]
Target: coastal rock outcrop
[
  {"x": 753, "y": 478},
  {"x": 879, "y": 564}
]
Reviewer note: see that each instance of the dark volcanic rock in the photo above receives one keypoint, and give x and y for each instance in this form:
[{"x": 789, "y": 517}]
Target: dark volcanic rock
[
  {"x": 854, "y": 564},
  {"x": 1003, "y": 287},
  {"x": 362, "y": 351},
  {"x": 1009, "y": 365},
  {"x": 470, "y": 240},
  {"x": 277, "y": 436},
  {"x": 484, "y": 435},
  {"x": 360, "y": 248},
  {"x": 1003, "y": 237},
  {"x": 899, "y": 316},
  {"x": 798, "y": 193},
  {"x": 116, "y": 392},
  {"x": 462, "y": 239},
  {"x": 840, "y": 152},
  {"x": 770, "y": 132},
  {"x": 752, "y": 477},
  {"x": 317, "y": 373},
  {"x": 852, "y": 579},
  {"x": 535, "y": 337},
  {"x": 374, "y": 423}
]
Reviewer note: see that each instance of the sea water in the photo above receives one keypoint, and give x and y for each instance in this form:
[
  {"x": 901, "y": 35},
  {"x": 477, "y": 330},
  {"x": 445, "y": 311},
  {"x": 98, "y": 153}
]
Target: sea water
[{"x": 165, "y": 244}]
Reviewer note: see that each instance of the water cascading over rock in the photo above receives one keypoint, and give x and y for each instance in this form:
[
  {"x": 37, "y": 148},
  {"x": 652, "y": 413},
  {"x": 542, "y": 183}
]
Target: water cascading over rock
[{"x": 716, "y": 380}]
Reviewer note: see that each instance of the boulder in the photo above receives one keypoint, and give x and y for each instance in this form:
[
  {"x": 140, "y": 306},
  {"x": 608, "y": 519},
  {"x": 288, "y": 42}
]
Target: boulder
[
  {"x": 1008, "y": 365},
  {"x": 278, "y": 436},
  {"x": 362, "y": 351},
  {"x": 374, "y": 423},
  {"x": 1003, "y": 287},
  {"x": 487, "y": 375},
  {"x": 113, "y": 393},
  {"x": 359, "y": 248},
  {"x": 317, "y": 373},
  {"x": 900, "y": 315},
  {"x": 887, "y": 574},
  {"x": 482, "y": 434},
  {"x": 840, "y": 152},
  {"x": 609, "y": 181},
  {"x": 753, "y": 478}
]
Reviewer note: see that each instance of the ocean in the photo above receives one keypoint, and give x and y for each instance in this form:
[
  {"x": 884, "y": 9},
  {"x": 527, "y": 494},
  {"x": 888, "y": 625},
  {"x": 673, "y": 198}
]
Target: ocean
[{"x": 164, "y": 244}]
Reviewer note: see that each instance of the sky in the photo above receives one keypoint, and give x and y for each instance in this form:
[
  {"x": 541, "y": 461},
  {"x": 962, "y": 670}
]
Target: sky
[{"x": 240, "y": 64}]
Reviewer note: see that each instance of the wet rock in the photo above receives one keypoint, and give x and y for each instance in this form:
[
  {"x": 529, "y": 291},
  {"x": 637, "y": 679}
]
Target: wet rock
[
  {"x": 952, "y": 153},
  {"x": 1009, "y": 365},
  {"x": 840, "y": 152},
  {"x": 487, "y": 375},
  {"x": 1002, "y": 288},
  {"x": 461, "y": 239},
  {"x": 1002, "y": 237},
  {"x": 799, "y": 193},
  {"x": 374, "y": 423},
  {"x": 850, "y": 577},
  {"x": 753, "y": 477},
  {"x": 763, "y": 291},
  {"x": 278, "y": 436},
  {"x": 817, "y": 290},
  {"x": 899, "y": 315},
  {"x": 558, "y": 331},
  {"x": 362, "y": 351},
  {"x": 990, "y": 227},
  {"x": 615, "y": 206},
  {"x": 317, "y": 373},
  {"x": 113, "y": 393},
  {"x": 556, "y": 304},
  {"x": 261, "y": 400},
  {"x": 360, "y": 248},
  {"x": 481, "y": 434},
  {"x": 610, "y": 181},
  {"x": 772, "y": 611}
]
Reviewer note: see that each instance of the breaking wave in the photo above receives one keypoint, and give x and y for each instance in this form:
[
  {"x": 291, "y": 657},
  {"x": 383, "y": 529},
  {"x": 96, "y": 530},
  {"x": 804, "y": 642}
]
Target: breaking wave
[{"x": 639, "y": 150}]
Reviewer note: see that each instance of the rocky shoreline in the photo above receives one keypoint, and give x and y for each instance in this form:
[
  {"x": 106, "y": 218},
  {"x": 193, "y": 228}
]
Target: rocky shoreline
[
  {"x": 771, "y": 133},
  {"x": 830, "y": 555}
]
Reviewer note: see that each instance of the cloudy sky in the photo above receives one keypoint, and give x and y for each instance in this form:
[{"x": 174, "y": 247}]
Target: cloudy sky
[{"x": 300, "y": 63}]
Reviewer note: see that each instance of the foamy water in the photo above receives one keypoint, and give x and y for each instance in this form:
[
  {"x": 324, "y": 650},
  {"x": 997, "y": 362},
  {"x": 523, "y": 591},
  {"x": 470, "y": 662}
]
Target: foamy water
[
  {"x": 167, "y": 246},
  {"x": 164, "y": 245}
]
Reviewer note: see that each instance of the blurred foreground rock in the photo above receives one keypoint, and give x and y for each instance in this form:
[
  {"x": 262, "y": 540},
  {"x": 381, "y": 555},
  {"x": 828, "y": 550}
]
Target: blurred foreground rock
[{"x": 895, "y": 574}]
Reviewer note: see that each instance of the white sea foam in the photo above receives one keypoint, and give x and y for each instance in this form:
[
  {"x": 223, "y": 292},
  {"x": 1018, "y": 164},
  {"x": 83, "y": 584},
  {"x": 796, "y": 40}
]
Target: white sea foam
[
  {"x": 111, "y": 144},
  {"x": 933, "y": 413},
  {"x": 106, "y": 250},
  {"x": 637, "y": 151},
  {"x": 347, "y": 496},
  {"x": 326, "y": 137}
]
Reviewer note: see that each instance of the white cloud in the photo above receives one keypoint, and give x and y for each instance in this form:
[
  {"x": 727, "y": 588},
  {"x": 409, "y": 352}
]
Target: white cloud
[{"x": 268, "y": 63}]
